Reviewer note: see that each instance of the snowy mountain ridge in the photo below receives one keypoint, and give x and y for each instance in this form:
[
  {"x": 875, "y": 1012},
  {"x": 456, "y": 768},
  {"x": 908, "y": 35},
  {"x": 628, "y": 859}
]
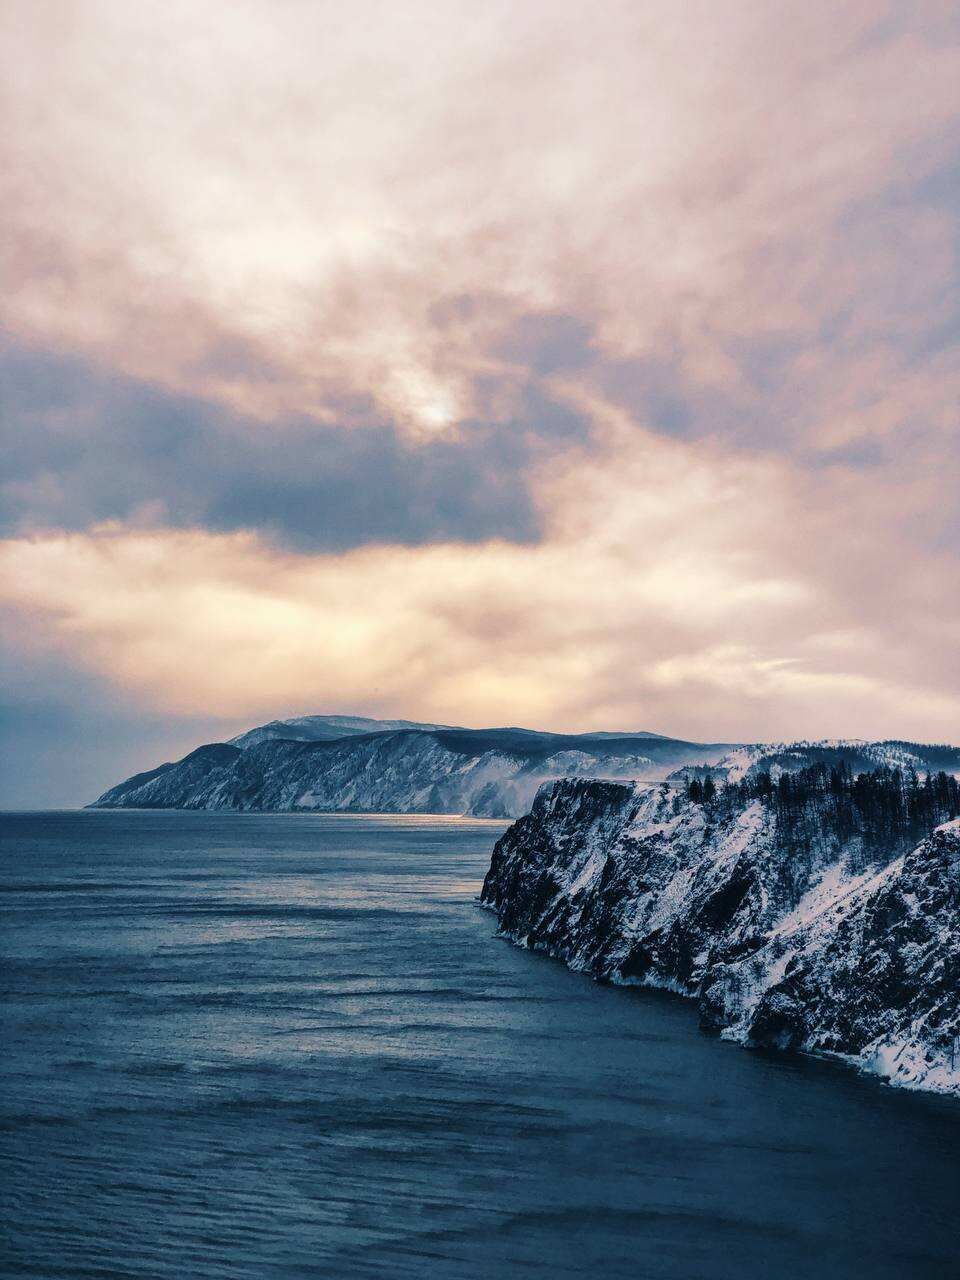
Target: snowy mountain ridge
[
  {"x": 324, "y": 728},
  {"x": 420, "y": 769},
  {"x": 351, "y": 763},
  {"x": 776, "y": 757}
]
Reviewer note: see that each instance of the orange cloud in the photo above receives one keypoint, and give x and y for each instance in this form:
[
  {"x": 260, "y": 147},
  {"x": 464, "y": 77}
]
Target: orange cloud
[
  {"x": 675, "y": 586},
  {"x": 712, "y": 229}
]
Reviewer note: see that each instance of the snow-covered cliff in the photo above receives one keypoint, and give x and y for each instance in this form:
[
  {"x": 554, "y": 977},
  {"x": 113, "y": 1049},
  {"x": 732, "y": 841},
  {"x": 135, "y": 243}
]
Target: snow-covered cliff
[{"x": 789, "y": 931}]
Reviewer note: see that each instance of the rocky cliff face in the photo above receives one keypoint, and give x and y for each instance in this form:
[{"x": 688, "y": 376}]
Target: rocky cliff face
[{"x": 787, "y": 934}]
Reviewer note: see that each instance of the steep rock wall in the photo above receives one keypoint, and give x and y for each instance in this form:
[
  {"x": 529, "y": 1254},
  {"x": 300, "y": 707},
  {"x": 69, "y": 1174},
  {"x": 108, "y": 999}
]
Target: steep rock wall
[{"x": 785, "y": 938}]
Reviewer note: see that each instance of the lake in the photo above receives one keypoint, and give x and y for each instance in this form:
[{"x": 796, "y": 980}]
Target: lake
[{"x": 283, "y": 1045}]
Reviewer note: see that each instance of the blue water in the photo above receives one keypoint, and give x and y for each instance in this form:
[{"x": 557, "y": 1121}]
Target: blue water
[{"x": 290, "y": 1045}]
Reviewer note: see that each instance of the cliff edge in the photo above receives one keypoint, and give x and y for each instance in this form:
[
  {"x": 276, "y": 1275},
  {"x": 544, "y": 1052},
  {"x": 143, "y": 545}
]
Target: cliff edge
[{"x": 814, "y": 921}]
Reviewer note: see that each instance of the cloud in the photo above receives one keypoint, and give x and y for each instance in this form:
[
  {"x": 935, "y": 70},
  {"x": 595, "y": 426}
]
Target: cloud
[
  {"x": 67, "y": 734},
  {"x": 82, "y": 447},
  {"x": 581, "y": 366},
  {"x": 675, "y": 585},
  {"x": 280, "y": 210}
]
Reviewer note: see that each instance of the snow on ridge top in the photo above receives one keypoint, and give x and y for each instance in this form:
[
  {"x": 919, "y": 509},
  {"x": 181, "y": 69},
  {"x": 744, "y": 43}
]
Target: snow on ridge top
[{"x": 867, "y": 753}]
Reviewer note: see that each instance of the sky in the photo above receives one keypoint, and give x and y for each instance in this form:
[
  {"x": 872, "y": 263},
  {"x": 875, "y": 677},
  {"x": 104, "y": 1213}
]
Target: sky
[{"x": 577, "y": 366}]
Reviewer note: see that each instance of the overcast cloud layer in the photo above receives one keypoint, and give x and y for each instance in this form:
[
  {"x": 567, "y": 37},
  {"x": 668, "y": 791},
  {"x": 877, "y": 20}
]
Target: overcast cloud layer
[{"x": 579, "y": 366}]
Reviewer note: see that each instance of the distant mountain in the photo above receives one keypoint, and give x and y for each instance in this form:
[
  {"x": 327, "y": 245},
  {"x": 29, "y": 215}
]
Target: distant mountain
[
  {"x": 622, "y": 733},
  {"x": 348, "y": 763},
  {"x": 341, "y": 763},
  {"x": 324, "y": 728}
]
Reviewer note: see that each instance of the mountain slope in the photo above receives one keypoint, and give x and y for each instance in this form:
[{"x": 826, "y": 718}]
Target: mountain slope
[
  {"x": 486, "y": 772},
  {"x": 331, "y": 763},
  {"x": 856, "y": 753},
  {"x": 789, "y": 931}
]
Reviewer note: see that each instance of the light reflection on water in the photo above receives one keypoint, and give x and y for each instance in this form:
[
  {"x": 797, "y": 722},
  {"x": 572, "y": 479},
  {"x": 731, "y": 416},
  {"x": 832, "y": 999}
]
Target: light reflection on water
[{"x": 289, "y": 1045}]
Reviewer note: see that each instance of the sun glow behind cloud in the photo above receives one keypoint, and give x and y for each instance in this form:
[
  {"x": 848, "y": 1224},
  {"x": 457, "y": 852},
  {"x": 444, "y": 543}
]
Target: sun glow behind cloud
[{"x": 647, "y": 313}]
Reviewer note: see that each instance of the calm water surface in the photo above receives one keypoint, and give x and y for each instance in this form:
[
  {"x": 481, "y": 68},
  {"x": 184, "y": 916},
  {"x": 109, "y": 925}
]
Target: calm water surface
[{"x": 290, "y": 1045}]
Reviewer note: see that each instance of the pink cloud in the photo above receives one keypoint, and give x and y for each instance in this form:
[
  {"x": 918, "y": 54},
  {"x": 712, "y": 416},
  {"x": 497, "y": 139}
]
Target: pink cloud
[
  {"x": 366, "y": 220},
  {"x": 719, "y": 594}
]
